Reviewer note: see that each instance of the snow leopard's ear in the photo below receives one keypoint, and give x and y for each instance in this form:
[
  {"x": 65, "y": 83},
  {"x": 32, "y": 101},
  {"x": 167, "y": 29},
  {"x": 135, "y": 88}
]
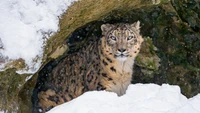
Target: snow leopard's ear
[
  {"x": 136, "y": 25},
  {"x": 105, "y": 28}
]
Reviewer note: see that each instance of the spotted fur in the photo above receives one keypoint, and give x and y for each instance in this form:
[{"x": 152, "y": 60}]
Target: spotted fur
[{"x": 105, "y": 64}]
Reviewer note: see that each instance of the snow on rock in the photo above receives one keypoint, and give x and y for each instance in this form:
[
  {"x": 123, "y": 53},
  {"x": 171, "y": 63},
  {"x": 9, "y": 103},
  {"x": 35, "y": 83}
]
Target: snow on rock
[
  {"x": 139, "y": 98},
  {"x": 23, "y": 24},
  {"x": 1, "y": 44}
]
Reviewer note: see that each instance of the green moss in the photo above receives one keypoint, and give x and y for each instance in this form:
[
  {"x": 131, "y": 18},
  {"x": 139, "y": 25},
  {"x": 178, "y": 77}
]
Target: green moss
[
  {"x": 10, "y": 85},
  {"x": 147, "y": 57}
]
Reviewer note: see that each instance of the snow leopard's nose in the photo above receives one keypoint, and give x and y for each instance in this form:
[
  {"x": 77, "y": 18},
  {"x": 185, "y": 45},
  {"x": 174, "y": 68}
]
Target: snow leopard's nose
[{"x": 122, "y": 50}]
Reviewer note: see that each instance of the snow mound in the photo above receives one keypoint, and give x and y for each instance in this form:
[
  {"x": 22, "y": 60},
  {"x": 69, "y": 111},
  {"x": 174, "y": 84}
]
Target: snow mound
[
  {"x": 139, "y": 98},
  {"x": 23, "y": 26}
]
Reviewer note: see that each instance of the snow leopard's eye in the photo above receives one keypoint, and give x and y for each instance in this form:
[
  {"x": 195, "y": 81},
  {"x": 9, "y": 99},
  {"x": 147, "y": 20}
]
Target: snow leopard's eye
[
  {"x": 113, "y": 38},
  {"x": 130, "y": 37}
]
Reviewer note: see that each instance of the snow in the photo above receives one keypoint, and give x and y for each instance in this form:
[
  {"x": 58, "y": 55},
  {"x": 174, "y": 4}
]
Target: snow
[
  {"x": 24, "y": 25},
  {"x": 139, "y": 98}
]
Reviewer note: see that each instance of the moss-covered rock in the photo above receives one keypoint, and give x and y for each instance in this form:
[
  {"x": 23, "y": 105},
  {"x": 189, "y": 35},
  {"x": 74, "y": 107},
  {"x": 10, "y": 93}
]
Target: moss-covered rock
[
  {"x": 148, "y": 60},
  {"x": 10, "y": 85}
]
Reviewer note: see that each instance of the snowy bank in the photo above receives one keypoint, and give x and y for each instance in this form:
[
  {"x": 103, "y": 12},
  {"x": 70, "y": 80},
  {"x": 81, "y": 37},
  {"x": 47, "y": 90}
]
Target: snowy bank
[
  {"x": 139, "y": 98},
  {"x": 24, "y": 25}
]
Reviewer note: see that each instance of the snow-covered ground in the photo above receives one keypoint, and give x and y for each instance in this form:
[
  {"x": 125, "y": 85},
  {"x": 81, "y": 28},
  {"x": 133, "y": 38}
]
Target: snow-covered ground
[
  {"x": 139, "y": 98},
  {"x": 23, "y": 25}
]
